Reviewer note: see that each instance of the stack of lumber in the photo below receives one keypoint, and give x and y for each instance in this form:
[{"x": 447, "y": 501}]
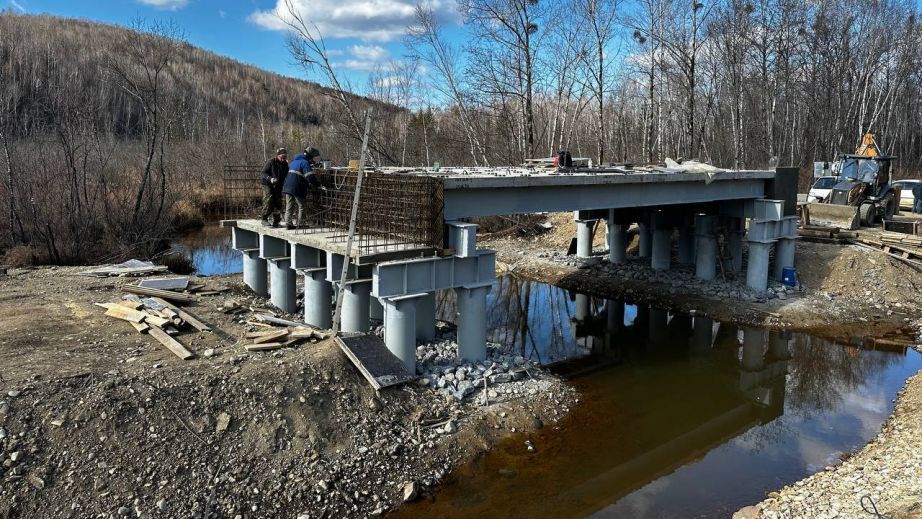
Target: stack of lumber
[
  {"x": 282, "y": 337},
  {"x": 898, "y": 238},
  {"x": 821, "y": 233},
  {"x": 158, "y": 318},
  {"x": 177, "y": 289}
]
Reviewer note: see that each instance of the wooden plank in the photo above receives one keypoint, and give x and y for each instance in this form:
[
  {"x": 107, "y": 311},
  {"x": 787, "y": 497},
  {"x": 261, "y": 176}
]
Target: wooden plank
[
  {"x": 372, "y": 358},
  {"x": 185, "y": 316},
  {"x": 134, "y": 305},
  {"x": 309, "y": 333},
  {"x": 264, "y": 347},
  {"x": 125, "y": 314},
  {"x": 271, "y": 337},
  {"x": 180, "y": 283},
  {"x": 164, "y": 294},
  {"x": 276, "y": 320},
  {"x": 171, "y": 344},
  {"x": 156, "y": 320},
  {"x": 140, "y": 327}
]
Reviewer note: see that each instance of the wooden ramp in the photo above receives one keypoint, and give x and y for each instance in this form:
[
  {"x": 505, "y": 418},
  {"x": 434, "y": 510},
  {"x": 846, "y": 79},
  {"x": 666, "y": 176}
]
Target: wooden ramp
[{"x": 374, "y": 360}]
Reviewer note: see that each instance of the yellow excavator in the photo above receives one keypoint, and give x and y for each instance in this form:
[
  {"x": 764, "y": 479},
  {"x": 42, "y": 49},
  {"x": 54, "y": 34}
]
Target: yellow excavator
[{"x": 862, "y": 194}]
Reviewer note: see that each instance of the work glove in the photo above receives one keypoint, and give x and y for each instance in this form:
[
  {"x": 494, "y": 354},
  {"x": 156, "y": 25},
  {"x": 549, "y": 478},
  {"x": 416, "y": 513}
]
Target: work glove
[{"x": 273, "y": 180}]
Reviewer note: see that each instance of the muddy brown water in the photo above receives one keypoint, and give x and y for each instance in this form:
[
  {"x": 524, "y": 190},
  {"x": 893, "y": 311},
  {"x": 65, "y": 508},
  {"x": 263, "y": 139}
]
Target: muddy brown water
[{"x": 679, "y": 416}]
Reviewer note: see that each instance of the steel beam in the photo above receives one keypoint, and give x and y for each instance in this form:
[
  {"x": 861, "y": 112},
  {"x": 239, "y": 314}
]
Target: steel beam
[{"x": 424, "y": 275}]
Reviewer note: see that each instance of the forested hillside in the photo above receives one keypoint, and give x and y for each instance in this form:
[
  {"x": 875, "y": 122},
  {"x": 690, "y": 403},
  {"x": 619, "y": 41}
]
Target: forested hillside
[{"x": 108, "y": 135}]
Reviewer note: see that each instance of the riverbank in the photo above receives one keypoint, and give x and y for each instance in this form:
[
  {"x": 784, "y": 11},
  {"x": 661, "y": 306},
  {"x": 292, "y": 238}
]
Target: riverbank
[
  {"x": 97, "y": 419},
  {"x": 885, "y": 476}
]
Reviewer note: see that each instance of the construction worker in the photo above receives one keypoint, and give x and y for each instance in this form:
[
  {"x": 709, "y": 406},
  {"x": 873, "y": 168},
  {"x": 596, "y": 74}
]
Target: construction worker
[
  {"x": 917, "y": 198},
  {"x": 273, "y": 178},
  {"x": 300, "y": 181}
]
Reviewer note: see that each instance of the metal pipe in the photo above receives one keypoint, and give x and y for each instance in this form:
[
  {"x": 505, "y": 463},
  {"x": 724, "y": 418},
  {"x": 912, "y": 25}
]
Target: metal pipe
[
  {"x": 584, "y": 238},
  {"x": 472, "y": 323},
  {"x": 425, "y": 317},
  {"x": 356, "y": 303},
  {"x": 255, "y": 273},
  {"x": 661, "y": 249},
  {"x": 400, "y": 329},
  {"x": 284, "y": 282},
  {"x": 706, "y": 248},
  {"x": 318, "y": 297}
]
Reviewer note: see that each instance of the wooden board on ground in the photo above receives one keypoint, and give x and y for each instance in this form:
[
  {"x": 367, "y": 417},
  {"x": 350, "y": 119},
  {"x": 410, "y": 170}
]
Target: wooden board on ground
[
  {"x": 264, "y": 347},
  {"x": 185, "y": 316},
  {"x": 165, "y": 294},
  {"x": 141, "y": 327},
  {"x": 125, "y": 314},
  {"x": 165, "y": 283},
  {"x": 171, "y": 344},
  {"x": 376, "y": 363},
  {"x": 270, "y": 337}
]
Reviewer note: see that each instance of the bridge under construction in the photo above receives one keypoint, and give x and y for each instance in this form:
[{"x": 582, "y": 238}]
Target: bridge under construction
[{"x": 414, "y": 236}]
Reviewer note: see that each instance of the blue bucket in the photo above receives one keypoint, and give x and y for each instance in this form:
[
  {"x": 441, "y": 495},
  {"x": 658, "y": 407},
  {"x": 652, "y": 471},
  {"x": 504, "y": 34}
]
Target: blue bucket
[{"x": 789, "y": 276}]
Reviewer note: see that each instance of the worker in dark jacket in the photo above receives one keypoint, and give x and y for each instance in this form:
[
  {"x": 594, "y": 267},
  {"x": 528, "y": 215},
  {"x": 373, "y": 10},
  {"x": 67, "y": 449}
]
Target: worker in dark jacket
[
  {"x": 917, "y": 196},
  {"x": 300, "y": 182},
  {"x": 273, "y": 178}
]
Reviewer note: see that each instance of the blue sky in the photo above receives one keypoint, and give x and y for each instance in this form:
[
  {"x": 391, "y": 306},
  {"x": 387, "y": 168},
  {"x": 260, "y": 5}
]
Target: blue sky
[{"x": 362, "y": 34}]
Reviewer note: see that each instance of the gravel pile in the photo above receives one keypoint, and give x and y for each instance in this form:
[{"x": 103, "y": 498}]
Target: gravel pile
[{"x": 498, "y": 376}]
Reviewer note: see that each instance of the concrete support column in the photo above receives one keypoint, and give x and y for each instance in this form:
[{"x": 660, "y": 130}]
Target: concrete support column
[
  {"x": 400, "y": 329},
  {"x": 617, "y": 242},
  {"x": 784, "y": 256},
  {"x": 780, "y": 345},
  {"x": 735, "y": 231},
  {"x": 757, "y": 269},
  {"x": 284, "y": 282},
  {"x": 702, "y": 336},
  {"x": 425, "y": 317},
  {"x": 375, "y": 309},
  {"x": 581, "y": 309},
  {"x": 645, "y": 245},
  {"x": 661, "y": 249},
  {"x": 706, "y": 248},
  {"x": 584, "y": 238},
  {"x": 255, "y": 272},
  {"x": 355, "y": 306},
  {"x": 687, "y": 244},
  {"x": 318, "y": 295},
  {"x": 472, "y": 323}
]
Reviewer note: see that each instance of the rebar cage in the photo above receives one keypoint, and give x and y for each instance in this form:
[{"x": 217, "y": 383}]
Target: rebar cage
[
  {"x": 242, "y": 195},
  {"x": 396, "y": 211}
]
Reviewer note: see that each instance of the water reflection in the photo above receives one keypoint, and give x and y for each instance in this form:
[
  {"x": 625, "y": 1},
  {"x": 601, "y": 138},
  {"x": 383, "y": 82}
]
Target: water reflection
[
  {"x": 681, "y": 415},
  {"x": 211, "y": 251}
]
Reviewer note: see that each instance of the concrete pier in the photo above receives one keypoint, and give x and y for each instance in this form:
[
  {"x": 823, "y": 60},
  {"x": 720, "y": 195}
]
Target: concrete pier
[
  {"x": 284, "y": 282},
  {"x": 645, "y": 245},
  {"x": 757, "y": 269},
  {"x": 754, "y": 341},
  {"x": 425, "y": 317},
  {"x": 318, "y": 295},
  {"x": 614, "y": 313},
  {"x": 255, "y": 272},
  {"x": 661, "y": 253},
  {"x": 584, "y": 238},
  {"x": 356, "y": 306},
  {"x": 400, "y": 328},
  {"x": 706, "y": 248},
  {"x": 784, "y": 256},
  {"x": 735, "y": 232},
  {"x": 617, "y": 242},
  {"x": 472, "y": 322},
  {"x": 375, "y": 309}
]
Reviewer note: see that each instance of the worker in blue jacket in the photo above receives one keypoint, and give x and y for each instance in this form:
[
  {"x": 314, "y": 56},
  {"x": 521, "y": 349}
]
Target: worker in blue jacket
[
  {"x": 917, "y": 198},
  {"x": 299, "y": 182}
]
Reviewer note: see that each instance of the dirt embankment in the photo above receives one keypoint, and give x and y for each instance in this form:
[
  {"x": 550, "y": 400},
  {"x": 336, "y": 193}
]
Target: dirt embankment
[{"x": 98, "y": 420}]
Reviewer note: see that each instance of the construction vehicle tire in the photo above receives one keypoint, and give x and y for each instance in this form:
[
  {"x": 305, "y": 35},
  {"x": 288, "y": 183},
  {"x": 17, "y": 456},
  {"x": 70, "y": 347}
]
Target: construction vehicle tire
[
  {"x": 889, "y": 207},
  {"x": 868, "y": 214}
]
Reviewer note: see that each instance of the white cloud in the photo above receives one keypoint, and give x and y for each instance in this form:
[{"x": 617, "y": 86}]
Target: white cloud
[
  {"x": 221, "y": 13},
  {"x": 17, "y": 6},
  {"x": 365, "y": 57},
  {"x": 367, "y": 20},
  {"x": 168, "y": 5}
]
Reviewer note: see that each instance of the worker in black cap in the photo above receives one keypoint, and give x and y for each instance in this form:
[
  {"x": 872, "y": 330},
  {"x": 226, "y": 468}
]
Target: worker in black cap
[
  {"x": 300, "y": 182},
  {"x": 273, "y": 178}
]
